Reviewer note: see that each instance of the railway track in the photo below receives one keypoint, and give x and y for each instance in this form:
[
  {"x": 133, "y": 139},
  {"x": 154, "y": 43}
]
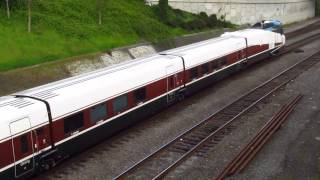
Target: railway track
[
  {"x": 199, "y": 139},
  {"x": 298, "y": 44},
  {"x": 308, "y": 29},
  {"x": 246, "y": 155},
  {"x": 187, "y": 144}
]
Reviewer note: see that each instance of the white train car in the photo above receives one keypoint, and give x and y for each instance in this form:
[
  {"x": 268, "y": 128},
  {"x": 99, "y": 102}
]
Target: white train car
[{"x": 42, "y": 126}]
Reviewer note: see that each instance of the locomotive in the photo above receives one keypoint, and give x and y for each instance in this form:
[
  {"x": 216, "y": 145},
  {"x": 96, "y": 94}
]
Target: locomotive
[{"x": 42, "y": 126}]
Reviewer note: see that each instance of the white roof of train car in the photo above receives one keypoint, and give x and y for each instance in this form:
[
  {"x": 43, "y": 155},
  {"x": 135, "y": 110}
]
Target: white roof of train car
[
  {"x": 76, "y": 94},
  {"x": 73, "y": 94},
  {"x": 14, "y": 109},
  {"x": 209, "y": 50},
  {"x": 254, "y": 36}
]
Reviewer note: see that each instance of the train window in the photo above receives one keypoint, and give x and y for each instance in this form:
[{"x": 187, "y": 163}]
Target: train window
[
  {"x": 73, "y": 123},
  {"x": 205, "y": 68},
  {"x": 40, "y": 131},
  {"x": 140, "y": 95},
  {"x": 24, "y": 144},
  {"x": 98, "y": 113},
  {"x": 120, "y": 103},
  {"x": 194, "y": 73}
]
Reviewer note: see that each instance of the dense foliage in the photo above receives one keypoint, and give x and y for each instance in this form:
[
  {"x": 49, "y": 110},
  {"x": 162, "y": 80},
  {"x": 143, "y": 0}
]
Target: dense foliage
[
  {"x": 188, "y": 21},
  {"x": 65, "y": 28}
]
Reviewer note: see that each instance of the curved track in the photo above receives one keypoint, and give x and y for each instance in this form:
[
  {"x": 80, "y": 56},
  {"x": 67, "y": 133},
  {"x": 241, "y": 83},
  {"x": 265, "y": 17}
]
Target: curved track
[
  {"x": 298, "y": 32},
  {"x": 200, "y": 138}
]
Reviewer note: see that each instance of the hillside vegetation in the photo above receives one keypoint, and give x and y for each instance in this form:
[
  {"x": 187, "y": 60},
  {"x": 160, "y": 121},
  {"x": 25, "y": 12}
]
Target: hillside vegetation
[{"x": 65, "y": 28}]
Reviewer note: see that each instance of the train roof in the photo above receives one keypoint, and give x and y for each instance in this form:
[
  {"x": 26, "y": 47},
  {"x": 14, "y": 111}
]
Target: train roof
[
  {"x": 91, "y": 75},
  {"x": 225, "y": 44},
  {"x": 74, "y": 94},
  {"x": 13, "y": 109},
  {"x": 254, "y": 36},
  {"x": 132, "y": 72},
  {"x": 44, "y": 91}
]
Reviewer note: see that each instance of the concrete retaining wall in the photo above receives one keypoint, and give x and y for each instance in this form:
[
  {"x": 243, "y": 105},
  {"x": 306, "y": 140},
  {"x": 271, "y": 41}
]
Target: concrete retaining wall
[{"x": 249, "y": 11}]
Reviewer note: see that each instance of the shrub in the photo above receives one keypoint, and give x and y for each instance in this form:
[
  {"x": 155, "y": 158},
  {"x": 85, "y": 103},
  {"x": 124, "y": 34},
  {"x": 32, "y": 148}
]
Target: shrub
[
  {"x": 186, "y": 20},
  {"x": 197, "y": 24},
  {"x": 175, "y": 23},
  {"x": 187, "y": 26},
  {"x": 179, "y": 12},
  {"x": 203, "y": 15},
  {"x": 213, "y": 21}
]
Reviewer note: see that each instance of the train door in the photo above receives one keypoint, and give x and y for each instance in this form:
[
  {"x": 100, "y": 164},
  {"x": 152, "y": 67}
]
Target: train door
[
  {"x": 22, "y": 146},
  {"x": 172, "y": 80}
]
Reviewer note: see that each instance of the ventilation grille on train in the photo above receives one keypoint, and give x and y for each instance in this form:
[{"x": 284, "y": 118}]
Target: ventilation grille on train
[
  {"x": 17, "y": 103},
  {"x": 44, "y": 95}
]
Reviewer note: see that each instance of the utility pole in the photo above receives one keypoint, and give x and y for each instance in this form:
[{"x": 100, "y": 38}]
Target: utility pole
[
  {"x": 29, "y": 15},
  {"x": 8, "y": 9}
]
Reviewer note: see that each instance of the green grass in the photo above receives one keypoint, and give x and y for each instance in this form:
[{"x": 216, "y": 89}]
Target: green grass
[{"x": 66, "y": 28}]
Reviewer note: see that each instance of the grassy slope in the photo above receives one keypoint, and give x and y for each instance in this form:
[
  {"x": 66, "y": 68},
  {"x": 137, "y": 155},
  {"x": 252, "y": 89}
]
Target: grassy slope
[{"x": 64, "y": 28}]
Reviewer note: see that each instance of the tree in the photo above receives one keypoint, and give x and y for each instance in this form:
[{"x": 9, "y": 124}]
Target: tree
[
  {"x": 163, "y": 7},
  {"x": 8, "y": 9},
  {"x": 29, "y": 15}
]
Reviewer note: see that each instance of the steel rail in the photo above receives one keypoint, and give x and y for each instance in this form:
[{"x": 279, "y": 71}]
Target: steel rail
[
  {"x": 264, "y": 132},
  {"x": 189, "y": 153},
  {"x": 309, "y": 28},
  {"x": 297, "y": 44},
  {"x": 268, "y": 136},
  {"x": 138, "y": 164},
  {"x": 255, "y": 145},
  {"x": 233, "y": 163}
]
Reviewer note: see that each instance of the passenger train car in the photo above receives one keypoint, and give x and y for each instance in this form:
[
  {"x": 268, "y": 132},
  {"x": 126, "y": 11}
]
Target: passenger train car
[{"x": 42, "y": 126}]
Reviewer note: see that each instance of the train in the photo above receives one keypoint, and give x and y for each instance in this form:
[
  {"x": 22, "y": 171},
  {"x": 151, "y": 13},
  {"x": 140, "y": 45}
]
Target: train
[{"x": 42, "y": 126}]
